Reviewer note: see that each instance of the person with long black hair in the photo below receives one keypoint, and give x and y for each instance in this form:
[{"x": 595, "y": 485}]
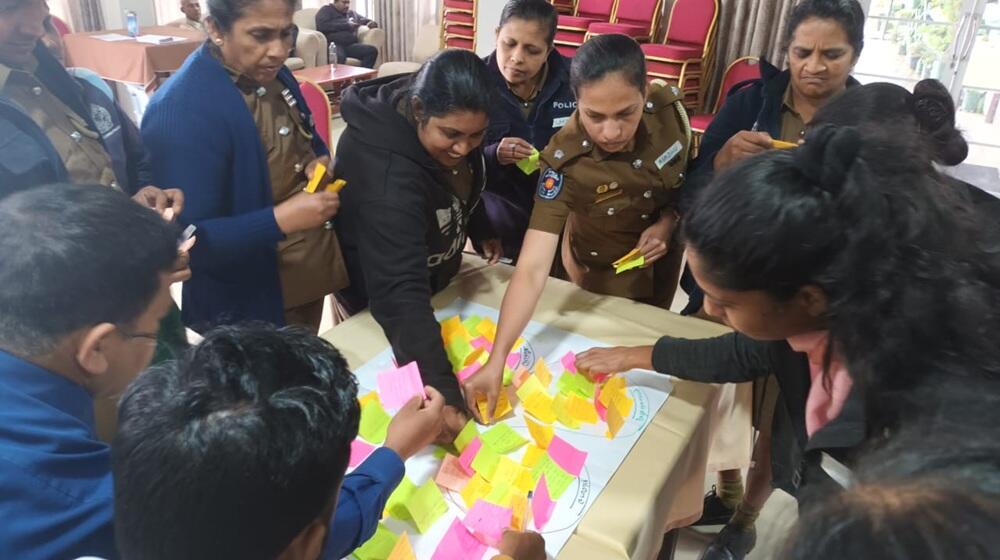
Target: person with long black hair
[{"x": 415, "y": 172}]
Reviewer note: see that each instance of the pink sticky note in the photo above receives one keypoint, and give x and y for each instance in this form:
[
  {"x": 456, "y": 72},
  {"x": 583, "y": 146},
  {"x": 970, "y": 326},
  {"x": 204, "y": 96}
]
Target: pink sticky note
[
  {"x": 397, "y": 386},
  {"x": 488, "y": 521},
  {"x": 569, "y": 458},
  {"x": 459, "y": 544},
  {"x": 451, "y": 475},
  {"x": 482, "y": 342},
  {"x": 513, "y": 360},
  {"x": 468, "y": 371},
  {"x": 469, "y": 455},
  {"x": 569, "y": 361},
  {"x": 602, "y": 411},
  {"x": 359, "y": 452},
  {"x": 542, "y": 505}
]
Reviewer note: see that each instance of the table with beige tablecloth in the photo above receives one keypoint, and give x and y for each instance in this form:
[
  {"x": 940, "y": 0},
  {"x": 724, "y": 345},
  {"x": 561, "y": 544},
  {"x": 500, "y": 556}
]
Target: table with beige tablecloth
[
  {"x": 131, "y": 62},
  {"x": 660, "y": 484}
]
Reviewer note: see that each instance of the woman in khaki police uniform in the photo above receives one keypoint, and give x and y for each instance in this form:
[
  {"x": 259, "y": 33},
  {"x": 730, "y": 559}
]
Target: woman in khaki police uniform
[
  {"x": 609, "y": 180},
  {"x": 232, "y": 130}
]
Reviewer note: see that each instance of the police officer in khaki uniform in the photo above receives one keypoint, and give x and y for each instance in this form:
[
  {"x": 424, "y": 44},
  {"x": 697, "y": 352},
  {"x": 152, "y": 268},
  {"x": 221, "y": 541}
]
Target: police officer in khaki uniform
[
  {"x": 609, "y": 184},
  {"x": 310, "y": 264}
]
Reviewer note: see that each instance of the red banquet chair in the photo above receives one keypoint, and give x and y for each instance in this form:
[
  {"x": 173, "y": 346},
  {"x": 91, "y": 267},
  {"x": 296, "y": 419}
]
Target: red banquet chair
[
  {"x": 458, "y": 24},
  {"x": 571, "y": 31},
  {"x": 740, "y": 74},
  {"x": 687, "y": 48},
  {"x": 61, "y": 26},
  {"x": 638, "y": 19},
  {"x": 564, "y": 6},
  {"x": 319, "y": 106}
]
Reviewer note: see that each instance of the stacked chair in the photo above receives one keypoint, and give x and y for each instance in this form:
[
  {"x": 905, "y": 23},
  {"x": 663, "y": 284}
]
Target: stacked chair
[
  {"x": 564, "y": 6},
  {"x": 741, "y": 73},
  {"x": 639, "y": 19},
  {"x": 684, "y": 56},
  {"x": 458, "y": 24},
  {"x": 572, "y": 30}
]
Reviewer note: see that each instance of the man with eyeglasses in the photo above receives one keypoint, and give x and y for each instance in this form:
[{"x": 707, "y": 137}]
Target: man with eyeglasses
[{"x": 84, "y": 283}]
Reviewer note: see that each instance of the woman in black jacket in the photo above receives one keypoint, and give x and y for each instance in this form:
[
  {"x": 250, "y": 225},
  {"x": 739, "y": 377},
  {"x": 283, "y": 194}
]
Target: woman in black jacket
[
  {"x": 840, "y": 282},
  {"x": 415, "y": 174},
  {"x": 533, "y": 100}
]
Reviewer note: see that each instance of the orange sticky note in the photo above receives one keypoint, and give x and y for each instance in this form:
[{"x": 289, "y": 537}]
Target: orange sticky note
[
  {"x": 475, "y": 490},
  {"x": 581, "y": 409},
  {"x": 479, "y": 355},
  {"x": 521, "y": 375},
  {"x": 451, "y": 475},
  {"x": 540, "y": 433},
  {"x": 531, "y": 455},
  {"x": 781, "y": 145},
  {"x": 543, "y": 373},
  {"x": 627, "y": 257},
  {"x": 503, "y": 407},
  {"x": 403, "y": 549},
  {"x": 623, "y": 403},
  {"x": 539, "y": 404},
  {"x": 487, "y": 328},
  {"x": 319, "y": 173},
  {"x": 614, "y": 385},
  {"x": 452, "y": 327},
  {"x": 520, "y": 512},
  {"x": 367, "y": 398},
  {"x": 615, "y": 422}
]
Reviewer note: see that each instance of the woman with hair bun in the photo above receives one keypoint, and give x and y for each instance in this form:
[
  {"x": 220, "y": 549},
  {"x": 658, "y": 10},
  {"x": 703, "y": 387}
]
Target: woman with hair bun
[{"x": 843, "y": 284}]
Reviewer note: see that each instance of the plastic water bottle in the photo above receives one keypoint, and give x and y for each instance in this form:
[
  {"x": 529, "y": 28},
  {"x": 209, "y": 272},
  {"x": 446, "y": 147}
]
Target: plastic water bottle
[
  {"x": 132, "y": 23},
  {"x": 332, "y": 56}
]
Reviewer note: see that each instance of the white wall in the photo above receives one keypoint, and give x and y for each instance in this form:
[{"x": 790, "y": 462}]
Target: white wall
[
  {"x": 114, "y": 12},
  {"x": 487, "y": 20}
]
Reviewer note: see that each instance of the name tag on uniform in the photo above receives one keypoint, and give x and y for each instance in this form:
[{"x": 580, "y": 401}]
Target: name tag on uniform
[
  {"x": 668, "y": 156},
  {"x": 560, "y": 122}
]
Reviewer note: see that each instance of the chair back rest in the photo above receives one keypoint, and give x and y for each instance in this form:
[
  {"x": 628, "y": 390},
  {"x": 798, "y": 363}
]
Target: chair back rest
[
  {"x": 692, "y": 21},
  {"x": 305, "y": 19},
  {"x": 637, "y": 12},
  {"x": 319, "y": 106},
  {"x": 427, "y": 43},
  {"x": 595, "y": 8},
  {"x": 61, "y": 26}
]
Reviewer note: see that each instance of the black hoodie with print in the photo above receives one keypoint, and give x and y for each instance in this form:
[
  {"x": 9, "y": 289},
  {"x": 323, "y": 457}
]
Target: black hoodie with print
[{"x": 400, "y": 226}]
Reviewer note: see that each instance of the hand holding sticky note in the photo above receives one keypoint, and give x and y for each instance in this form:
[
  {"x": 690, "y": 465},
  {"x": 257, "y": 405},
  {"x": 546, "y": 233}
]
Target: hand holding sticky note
[
  {"x": 634, "y": 259},
  {"x": 529, "y": 164}
]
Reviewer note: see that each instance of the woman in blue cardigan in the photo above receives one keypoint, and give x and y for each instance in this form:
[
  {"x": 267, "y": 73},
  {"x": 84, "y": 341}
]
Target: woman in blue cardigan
[{"x": 232, "y": 130}]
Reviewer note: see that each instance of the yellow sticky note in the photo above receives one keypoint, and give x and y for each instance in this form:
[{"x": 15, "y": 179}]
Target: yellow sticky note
[
  {"x": 336, "y": 186},
  {"x": 608, "y": 390},
  {"x": 479, "y": 355},
  {"x": 520, "y": 512},
  {"x": 542, "y": 434},
  {"x": 532, "y": 454},
  {"x": 781, "y": 145},
  {"x": 561, "y": 410},
  {"x": 529, "y": 386},
  {"x": 452, "y": 327},
  {"x": 487, "y": 328},
  {"x": 503, "y": 407},
  {"x": 581, "y": 409},
  {"x": 403, "y": 549},
  {"x": 507, "y": 472},
  {"x": 628, "y": 256},
  {"x": 543, "y": 373},
  {"x": 623, "y": 403},
  {"x": 500, "y": 495},
  {"x": 517, "y": 344},
  {"x": 540, "y": 405},
  {"x": 524, "y": 481},
  {"x": 319, "y": 173},
  {"x": 615, "y": 422},
  {"x": 367, "y": 398},
  {"x": 475, "y": 490}
]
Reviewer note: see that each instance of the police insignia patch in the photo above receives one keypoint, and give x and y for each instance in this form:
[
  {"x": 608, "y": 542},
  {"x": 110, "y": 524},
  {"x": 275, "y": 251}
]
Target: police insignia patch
[{"x": 550, "y": 184}]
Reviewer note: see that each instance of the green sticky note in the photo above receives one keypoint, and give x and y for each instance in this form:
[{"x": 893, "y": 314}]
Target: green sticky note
[
  {"x": 576, "y": 383},
  {"x": 427, "y": 505},
  {"x": 440, "y": 452},
  {"x": 629, "y": 265},
  {"x": 529, "y": 164},
  {"x": 396, "y": 505},
  {"x": 374, "y": 422},
  {"x": 486, "y": 461},
  {"x": 503, "y": 439},
  {"x": 458, "y": 350},
  {"x": 471, "y": 322},
  {"x": 468, "y": 433},
  {"x": 557, "y": 479},
  {"x": 508, "y": 376},
  {"x": 379, "y": 547}
]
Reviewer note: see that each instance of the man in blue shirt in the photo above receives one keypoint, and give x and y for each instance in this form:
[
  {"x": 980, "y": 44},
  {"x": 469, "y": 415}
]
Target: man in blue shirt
[
  {"x": 238, "y": 450},
  {"x": 84, "y": 282}
]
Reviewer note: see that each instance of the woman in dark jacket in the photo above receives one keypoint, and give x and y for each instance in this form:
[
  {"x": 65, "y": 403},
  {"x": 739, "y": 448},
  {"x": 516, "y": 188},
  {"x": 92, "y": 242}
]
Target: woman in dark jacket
[
  {"x": 415, "y": 175},
  {"x": 787, "y": 246},
  {"x": 532, "y": 101},
  {"x": 823, "y": 41}
]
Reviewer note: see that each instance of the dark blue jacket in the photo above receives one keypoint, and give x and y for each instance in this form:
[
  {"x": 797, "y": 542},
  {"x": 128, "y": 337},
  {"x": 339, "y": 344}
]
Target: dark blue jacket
[
  {"x": 28, "y": 158},
  {"x": 510, "y": 193},
  {"x": 757, "y": 107},
  {"x": 204, "y": 141}
]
